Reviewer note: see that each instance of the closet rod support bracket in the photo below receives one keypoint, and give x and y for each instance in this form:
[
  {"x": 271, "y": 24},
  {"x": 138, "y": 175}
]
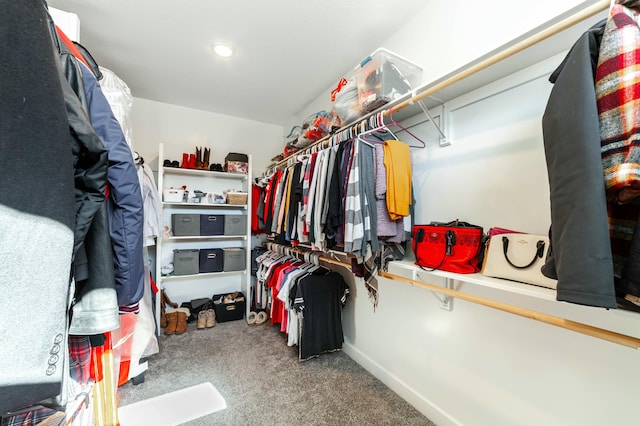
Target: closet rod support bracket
[
  {"x": 446, "y": 302},
  {"x": 442, "y": 125}
]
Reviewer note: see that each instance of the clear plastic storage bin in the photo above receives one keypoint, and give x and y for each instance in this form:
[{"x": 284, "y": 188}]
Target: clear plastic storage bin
[{"x": 384, "y": 76}]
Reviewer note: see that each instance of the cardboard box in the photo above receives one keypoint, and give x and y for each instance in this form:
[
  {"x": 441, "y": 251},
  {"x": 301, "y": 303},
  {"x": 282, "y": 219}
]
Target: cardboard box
[{"x": 236, "y": 163}]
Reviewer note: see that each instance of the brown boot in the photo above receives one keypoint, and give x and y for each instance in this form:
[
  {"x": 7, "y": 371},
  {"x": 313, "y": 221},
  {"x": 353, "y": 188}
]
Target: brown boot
[
  {"x": 205, "y": 159},
  {"x": 181, "y": 325},
  {"x": 198, "y": 158},
  {"x": 163, "y": 316},
  {"x": 172, "y": 322},
  {"x": 166, "y": 299}
]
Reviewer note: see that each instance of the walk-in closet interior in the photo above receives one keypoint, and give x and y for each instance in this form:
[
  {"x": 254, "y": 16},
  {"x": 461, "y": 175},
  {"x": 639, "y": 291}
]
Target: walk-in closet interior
[{"x": 370, "y": 212}]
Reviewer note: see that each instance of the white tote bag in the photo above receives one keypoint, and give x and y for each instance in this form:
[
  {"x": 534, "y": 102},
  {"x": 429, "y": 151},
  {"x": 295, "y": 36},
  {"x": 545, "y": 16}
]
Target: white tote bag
[{"x": 518, "y": 257}]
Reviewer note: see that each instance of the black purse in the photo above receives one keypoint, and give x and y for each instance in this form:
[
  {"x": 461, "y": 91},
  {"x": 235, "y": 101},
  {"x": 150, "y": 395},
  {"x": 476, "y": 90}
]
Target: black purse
[{"x": 195, "y": 306}]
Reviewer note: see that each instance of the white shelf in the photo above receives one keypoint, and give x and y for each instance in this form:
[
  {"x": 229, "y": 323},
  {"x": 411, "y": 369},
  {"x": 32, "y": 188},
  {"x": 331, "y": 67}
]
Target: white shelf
[
  {"x": 205, "y": 205},
  {"x": 169, "y": 278},
  {"x": 407, "y": 269},
  {"x": 206, "y": 238},
  {"x": 183, "y": 288},
  {"x": 203, "y": 173}
]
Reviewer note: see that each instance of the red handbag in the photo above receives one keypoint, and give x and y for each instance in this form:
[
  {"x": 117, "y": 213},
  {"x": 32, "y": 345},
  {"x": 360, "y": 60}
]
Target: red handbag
[{"x": 452, "y": 247}]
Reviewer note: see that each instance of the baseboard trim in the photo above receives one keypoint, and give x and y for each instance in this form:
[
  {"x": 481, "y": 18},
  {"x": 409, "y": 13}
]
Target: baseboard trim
[{"x": 422, "y": 404}]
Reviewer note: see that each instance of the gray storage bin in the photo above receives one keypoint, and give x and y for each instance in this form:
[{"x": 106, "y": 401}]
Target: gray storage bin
[
  {"x": 234, "y": 259},
  {"x": 186, "y": 262},
  {"x": 235, "y": 224},
  {"x": 185, "y": 225}
]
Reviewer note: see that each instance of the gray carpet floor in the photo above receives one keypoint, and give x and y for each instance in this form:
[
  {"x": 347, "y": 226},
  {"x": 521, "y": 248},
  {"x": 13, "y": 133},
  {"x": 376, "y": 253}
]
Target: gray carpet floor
[{"x": 263, "y": 382}]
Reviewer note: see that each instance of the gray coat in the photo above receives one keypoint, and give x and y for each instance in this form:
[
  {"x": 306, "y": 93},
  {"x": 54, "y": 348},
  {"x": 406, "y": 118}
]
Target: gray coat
[{"x": 581, "y": 257}]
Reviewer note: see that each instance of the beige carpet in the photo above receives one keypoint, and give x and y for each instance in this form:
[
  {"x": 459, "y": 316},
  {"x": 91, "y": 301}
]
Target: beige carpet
[{"x": 263, "y": 383}]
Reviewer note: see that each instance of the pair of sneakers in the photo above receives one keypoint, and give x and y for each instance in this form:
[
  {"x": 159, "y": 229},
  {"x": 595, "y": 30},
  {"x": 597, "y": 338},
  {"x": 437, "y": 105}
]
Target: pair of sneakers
[{"x": 206, "y": 319}]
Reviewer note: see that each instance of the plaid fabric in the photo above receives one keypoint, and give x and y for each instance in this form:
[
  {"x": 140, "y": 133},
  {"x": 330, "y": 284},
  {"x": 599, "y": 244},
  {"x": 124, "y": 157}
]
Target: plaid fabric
[
  {"x": 618, "y": 99},
  {"x": 79, "y": 369}
]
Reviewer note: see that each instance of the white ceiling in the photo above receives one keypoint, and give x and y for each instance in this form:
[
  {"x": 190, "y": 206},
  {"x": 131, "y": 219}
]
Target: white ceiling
[{"x": 289, "y": 52}]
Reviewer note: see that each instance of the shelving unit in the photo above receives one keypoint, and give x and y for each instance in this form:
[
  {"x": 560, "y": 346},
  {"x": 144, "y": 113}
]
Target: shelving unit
[{"x": 183, "y": 288}]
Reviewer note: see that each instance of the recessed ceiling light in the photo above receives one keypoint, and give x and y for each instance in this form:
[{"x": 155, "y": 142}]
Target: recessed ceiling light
[{"x": 223, "y": 49}]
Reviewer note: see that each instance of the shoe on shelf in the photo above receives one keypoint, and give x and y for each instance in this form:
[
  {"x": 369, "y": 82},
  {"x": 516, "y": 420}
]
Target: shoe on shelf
[
  {"x": 198, "y": 158},
  {"x": 210, "y": 315},
  {"x": 205, "y": 158}
]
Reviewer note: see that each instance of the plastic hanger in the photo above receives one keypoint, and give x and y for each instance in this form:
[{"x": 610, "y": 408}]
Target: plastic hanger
[
  {"x": 395, "y": 123},
  {"x": 377, "y": 124}
]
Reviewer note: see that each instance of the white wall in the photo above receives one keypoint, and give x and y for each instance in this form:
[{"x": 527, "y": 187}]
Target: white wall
[
  {"x": 475, "y": 365},
  {"x": 182, "y": 129}
]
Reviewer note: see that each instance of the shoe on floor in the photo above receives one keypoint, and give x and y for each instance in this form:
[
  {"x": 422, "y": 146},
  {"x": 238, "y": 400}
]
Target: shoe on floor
[
  {"x": 181, "y": 320},
  {"x": 172, "y": 322},
  {"x": 262, "y": 317},
  {"x": 210, "y": 316},
  {"x": 202, "y": 320}
]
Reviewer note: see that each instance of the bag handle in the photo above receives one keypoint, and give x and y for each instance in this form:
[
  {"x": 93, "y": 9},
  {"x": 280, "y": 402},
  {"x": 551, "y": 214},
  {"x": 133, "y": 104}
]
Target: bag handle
[{"x": 538, "y": 254}]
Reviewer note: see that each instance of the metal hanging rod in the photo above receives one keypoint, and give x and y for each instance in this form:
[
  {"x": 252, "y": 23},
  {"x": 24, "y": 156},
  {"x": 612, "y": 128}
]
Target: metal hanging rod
[
  {"x": 611, "y": 336},
  {"x": 510, "y": 51},
  {"x": 276, "y": 247}
]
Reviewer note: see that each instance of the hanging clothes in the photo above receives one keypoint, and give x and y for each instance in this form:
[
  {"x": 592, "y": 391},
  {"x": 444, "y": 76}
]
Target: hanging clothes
[
  {"x": 618, "y": 101},
  {"x": 305, "y": 300},
  {"x": 580, "y": 258},
  {"x": 397, "y": 161},
  {"x": 124, "y": 204},
  {"x": 320, "y": 297},
  {"x": 53, "y": 170}
]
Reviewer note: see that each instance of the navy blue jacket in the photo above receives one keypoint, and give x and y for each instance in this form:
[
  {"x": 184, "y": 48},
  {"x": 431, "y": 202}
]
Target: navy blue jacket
[{"x": 125, "y": 205}]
